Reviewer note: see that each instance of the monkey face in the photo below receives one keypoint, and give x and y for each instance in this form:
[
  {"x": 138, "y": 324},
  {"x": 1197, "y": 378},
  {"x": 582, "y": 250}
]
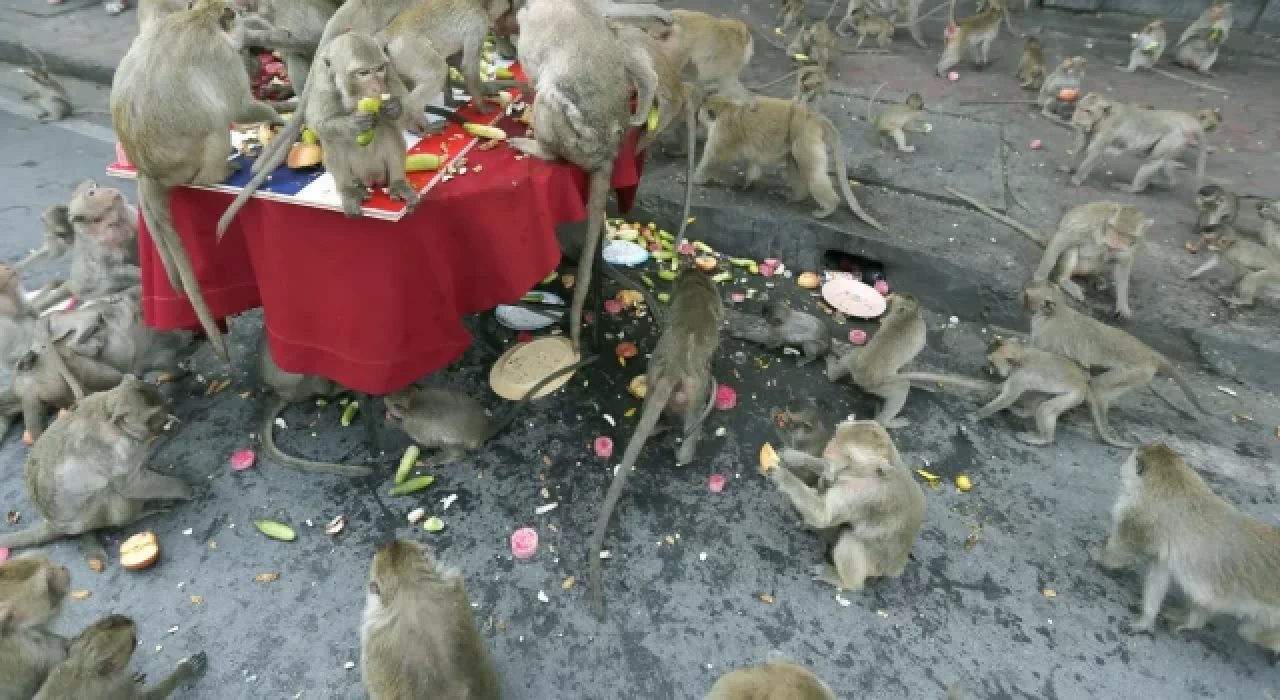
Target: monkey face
[
  {"x": 367, "y": 81},
  {"x": 138, "y": 409},
  {"x": 1041, "y": 296}
]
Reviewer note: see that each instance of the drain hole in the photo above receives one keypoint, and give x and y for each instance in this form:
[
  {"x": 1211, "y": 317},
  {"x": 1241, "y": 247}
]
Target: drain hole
[{"x": 861, "y": 268}]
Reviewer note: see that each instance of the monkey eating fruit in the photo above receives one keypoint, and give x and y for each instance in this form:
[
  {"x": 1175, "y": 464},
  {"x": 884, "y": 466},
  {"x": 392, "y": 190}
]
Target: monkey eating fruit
[{"x": 1148, "y": 46}]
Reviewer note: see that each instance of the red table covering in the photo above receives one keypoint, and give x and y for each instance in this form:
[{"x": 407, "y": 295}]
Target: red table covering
[{"x": 376, "y": 305}]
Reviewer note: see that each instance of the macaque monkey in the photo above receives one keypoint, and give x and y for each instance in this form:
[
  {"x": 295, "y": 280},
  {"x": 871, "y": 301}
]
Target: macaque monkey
[
  {"x": 355, "y": 67},
  {"x": 1218, "y": 206},
  {"x": 187, "y": 63},
  {"x": 17, "y": 318},
  {"x": 97, "y": 666},
  {"x": 714, "y": 50},
  {"x": 1198, "y": 53},
  {"x": 791, "y": 13},
  {"x": 1058, "y": 328},
  {"x": 420, "y": 38},
  {"x": 816, "y": 41},
  {"x": 776, "y": 132},
  {"x": 59, "y": 236},
  {"x": 1269, "y": 212},
  {"x": 417, "y": 636},
  {"x": 811, "y": 86},
  {"x": 152, "y": 10},
  {"x": 111, "y": 330},
  {"x": 1031, "y": 67},
  {"x": 875, "y": 367},
  {"x": 1008, "y": 22},
  {"x": 296, "y": 27},
  {"x": 1148, "y": 46},
  {"x": 870, "y": 505},
  {"x": 1168, "y": 521},
  {"x": 104, "y": 246},
  {"x": 87, "y": 472},
  {"x": 973, "y": 34},
  {"x": 1091, "y": 238},
  {"x": 775, "y": 680},
  {"x": 865, "y": 24},
  {"x": 1067, "y": 76},
  {"x": 1026, "y": 370},
  {"x": 679, "y": 380},
  {"x": 562, "y": 44},
  {"x": 47, "y": 93},
  {"x": 1214, "y": 23},
  {"x": 802, "y": 425},
  {"x": 781, "y": 326},
  {"x": 1255, "y": 266},
  {"x": 32, "y": 589},
  {"x": 1158, "y": 135},
  {"x": 901, "y": 8},
  {"x": 895, "y": 121}
]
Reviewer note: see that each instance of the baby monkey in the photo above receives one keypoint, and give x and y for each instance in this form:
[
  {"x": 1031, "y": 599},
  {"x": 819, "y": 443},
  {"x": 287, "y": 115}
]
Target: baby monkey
[
  {"x": 31, "y": 590},
  {"x": 895, "y": 121},
  {"x": 1168, "y": 521},
  {"x": 865, "y": 24},
  {"x": 1255, "y": 266},
  {"x": 1031, "y": 67},
  {"x": 776, "y": 680},
  {"x": 97, "y": 666},
  {"x": 1148, "y": 46}
]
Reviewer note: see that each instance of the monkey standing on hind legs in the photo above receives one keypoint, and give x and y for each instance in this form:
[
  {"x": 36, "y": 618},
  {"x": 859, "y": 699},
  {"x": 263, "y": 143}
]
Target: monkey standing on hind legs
[
  {"x": 417, "y": 636},
  {"x": 973, "y": 34},
  {"x": 679, "y": 377},
  {"x": 875, "y": 367},
  {"x": 712, "y": 49},
  {"x": 778, "y": 131},
  {"x": 869, "y": 506},
  {"x": 186, "y": 63},
  {"x": 895, "y": 121},
  {"x": 104, "y": 247},
  {"x": 1167, "y": 520},
  {"x": 31, "y": 590},
  {"x": 97, "y": 666}
]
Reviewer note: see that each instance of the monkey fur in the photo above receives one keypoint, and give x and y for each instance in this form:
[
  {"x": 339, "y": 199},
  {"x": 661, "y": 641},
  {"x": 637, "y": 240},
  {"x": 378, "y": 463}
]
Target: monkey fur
[
  {"x": 104, "y": 246},
  {"x": 47, "y": 93},
  {"x": 17, "y": 318},
  {"x": 1032, "y": 69},
  {"x": 1217, "y": 206},
  {"x": 1058, "y": 328},
  {"x": 1067, "y": 76},
  {"x": 869, "y": 503},
  {"x": 775, "y": 680},
  {"x": 973, "y": 34},
  {"x": 910, "y": 9},
  {"x": 791, "y": 14},
  {"x": 32, "y": 589},
  {"x": 782, "y": 326},
  {"x": 1254, "y": 265},
  {"x": 865, "y": 24},
  {"x": 713, "y": 50},
  {"x": 1148, "y": 46},
  {"x": 59, "y": 237},
  {"x": 303, "y": 21},
  {"x": 802, "y": 425},
  {"x": 679, "y": 377},
  {"x": 457, "y": 423},
  {"x": 1092, "y": 238},
  {"x": 1199, "y": 53},
  {"x": 417, "y": 636},
  {"x": 874, "y": 368},
  {"x": 896, "y": 120},
  {"x": 185, "y": 63},
  {"x": 1168, "y": 523},
  {"x": 1217, "y": 15},
  {"x": 87, "y": 473},
  {"x": 1160, "y": 136},
  {"x": 778, "y": 131},
  {"x": 1269, "y": 212},
  {"x": 811, "y": 86},
  {"x": 97, "y": 666}
]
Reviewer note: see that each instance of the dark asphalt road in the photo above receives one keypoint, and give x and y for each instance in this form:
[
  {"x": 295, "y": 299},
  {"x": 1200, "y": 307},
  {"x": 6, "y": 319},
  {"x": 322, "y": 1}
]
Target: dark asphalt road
[{"x": 676, "y": 620}]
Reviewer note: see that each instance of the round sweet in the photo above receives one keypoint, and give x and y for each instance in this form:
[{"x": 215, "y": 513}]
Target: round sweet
[
  {"x": 139, "y": 551},
  {"x": 853, "y": 298},
  {"x": 524, "y": 543},
  {"x": 525, "y": 364}
]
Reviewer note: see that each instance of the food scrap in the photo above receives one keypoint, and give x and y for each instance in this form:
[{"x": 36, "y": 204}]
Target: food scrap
[
  {"x": 140, "y": 551},
  {"x": 726, "y": 397},
  {"x": 243, "y": 459},
  {"x": 267, "y": 577},
  {"x": 768, "y": 459},
  {"x": 603, "y": 446},
  {"x": 716, "y": 483},
  {"x": 433, "y": 524},
  {"x": 274, "y": 530},
  {"x": 963, "y": 483},
  {"x": 524, "y": 543}
]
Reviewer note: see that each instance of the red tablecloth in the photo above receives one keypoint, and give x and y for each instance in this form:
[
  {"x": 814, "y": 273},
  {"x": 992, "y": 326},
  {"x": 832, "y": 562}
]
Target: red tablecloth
[{"x": 377, "y": 305}]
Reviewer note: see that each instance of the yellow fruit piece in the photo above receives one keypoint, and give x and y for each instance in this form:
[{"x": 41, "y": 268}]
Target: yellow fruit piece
[
  {"x": 667, "y": 275},
  {"x": 801, "y": 57},
  {"x": 504, "y": 73},
  {"x": 485, "y": 131},
  {"x": 639, "y": 387},
  {"x": 309, "y": 137},
  {"x": 963, "y": 483},
  {"x": 418, "y": 162},
  {"x": 455, "y": 76},
  {"x": 768, "y": 458},
  {"x": 927, "y": 476},
  {"x": 369, "y": 104},
  {"x": 653, "y": 119}
]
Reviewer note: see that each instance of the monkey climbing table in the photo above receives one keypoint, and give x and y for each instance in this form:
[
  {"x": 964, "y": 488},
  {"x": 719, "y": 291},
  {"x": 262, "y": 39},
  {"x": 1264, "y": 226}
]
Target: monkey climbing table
[{"x": 375, "y": 304}]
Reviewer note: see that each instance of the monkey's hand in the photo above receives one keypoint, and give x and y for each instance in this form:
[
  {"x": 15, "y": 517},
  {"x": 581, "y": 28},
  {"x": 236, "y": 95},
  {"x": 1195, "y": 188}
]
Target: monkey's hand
[
  {"x": 363, "y": 121},
  {"x": 392, "y": 109}
]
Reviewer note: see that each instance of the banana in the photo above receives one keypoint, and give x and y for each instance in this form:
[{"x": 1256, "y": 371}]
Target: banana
[{"x": 485, "y": 131}]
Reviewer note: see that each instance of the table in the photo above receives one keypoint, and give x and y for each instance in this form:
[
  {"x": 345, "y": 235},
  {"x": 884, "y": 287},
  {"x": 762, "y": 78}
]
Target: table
[{"x": 376, "y": 305}]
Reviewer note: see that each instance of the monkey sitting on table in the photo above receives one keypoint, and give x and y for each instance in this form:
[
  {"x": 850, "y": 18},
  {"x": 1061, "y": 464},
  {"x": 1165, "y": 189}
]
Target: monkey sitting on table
[
  {"x": 31, "y": 590},
  {"x": 870, "y": 508},
  {"x": 417, "y": 636},
  {"x": 97, "y": 666},
  {"x": 1168, "y": 521}
]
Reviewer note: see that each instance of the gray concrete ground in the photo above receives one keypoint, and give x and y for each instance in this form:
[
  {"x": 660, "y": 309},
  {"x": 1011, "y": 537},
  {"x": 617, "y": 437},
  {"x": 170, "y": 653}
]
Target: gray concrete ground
[{"x": 676, "y": 619}]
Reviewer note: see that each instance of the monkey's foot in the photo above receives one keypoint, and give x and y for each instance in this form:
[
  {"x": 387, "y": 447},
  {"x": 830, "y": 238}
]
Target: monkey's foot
[
  {"x": 1142, "y": 625},
  {"x": 1035, "y": 439},
  {"x": 827, "y": 573}
]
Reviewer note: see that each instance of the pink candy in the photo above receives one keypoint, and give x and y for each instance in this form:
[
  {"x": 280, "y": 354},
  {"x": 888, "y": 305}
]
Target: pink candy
[
  {"x": 686, "y": 249},
  {"x": 4, "y": 553},
  {"x": 243, "y": 459},
  {"x": 953, "y": 76},
  {"x": 604, "y": 447},
  {"x": 524, "y": 543},
  {"x": 738, "y": 297},
  {"x": 613, "y": 306},
  {"x": 858, "y": 337},
  {"x": 882, "y": 287},
  {"x": 716, "y": 483},
  {"x": 1035, "y": 145},
  {"x": 726, "y": 397}
]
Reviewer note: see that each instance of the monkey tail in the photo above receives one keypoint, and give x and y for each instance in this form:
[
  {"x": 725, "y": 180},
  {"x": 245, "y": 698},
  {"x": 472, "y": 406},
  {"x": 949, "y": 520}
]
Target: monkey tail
[
  {"x": 837, "y": 147},
  {"x": 1168, "y": 367},
  {"x": 659, "y": 395},
  {"x": 691, "y": 130},
  {"x": 154, "y": 198},
  {"x": 501, "y": 424},
  {"x": 1100, "y": 424},
  {"x": 871, "y": 103},
  {"x": 1200, "y": 160},
  {"x": 597, "y": 196},
  {"x": 273, "y": 453},
  {"x": 967, "y": 383}
]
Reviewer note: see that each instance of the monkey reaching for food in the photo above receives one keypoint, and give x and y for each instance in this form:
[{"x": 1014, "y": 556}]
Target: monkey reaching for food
[
  {"x": 32, "y": 589},
  {"x": 896, "y": 120},
  {"x": 1160, "y": 136},
  {"x": 679, "y": 380},
  {"x": 874, "y": 368},
  {"x": 1254, "y": 265},
  {"x": 713, "y": 49},
  {"x": 973, "y": 34},
  {"x": 87, "y": 472},
  {"x": 777, "y": 132},
  {"x": 1032, "y": 69},
  {"x": 104, "y": 247},
  {"x": 1148, "y": 46},
  {"x": 775, "y": 680},
  {"x": 782, "y": 326},
  {"x": 97, "y": 666},
  {"x": 417, "y": 636},
  {"x": 1092, "y": 238},
  {"x": 1168, "y": 521},
  {"x": 869, "y": 505}
]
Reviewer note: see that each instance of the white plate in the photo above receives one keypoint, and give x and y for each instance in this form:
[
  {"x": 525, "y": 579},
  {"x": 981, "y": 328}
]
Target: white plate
[
  {"x": 619, "y": 252},
  {"x": 521, "y": 319},
  {"x": 853, "y": 298}
]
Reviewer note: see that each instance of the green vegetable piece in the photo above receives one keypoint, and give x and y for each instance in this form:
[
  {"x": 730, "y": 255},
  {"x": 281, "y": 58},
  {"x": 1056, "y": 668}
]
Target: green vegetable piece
[
  {"x": 722, "y": 277},
  {"x": 406, "y": 463},
  {"x": 275, "y": 530},
  {"x": 662, "y": 254},
  {"x": 349, "y": 414},
  {"x": 413, "y": 485},
  {"x": 667, "y": 275},
  {"x": 433, "y": 524},
  {"x": 664, "y": 297},
  {"x": 647, "y": 282}
]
